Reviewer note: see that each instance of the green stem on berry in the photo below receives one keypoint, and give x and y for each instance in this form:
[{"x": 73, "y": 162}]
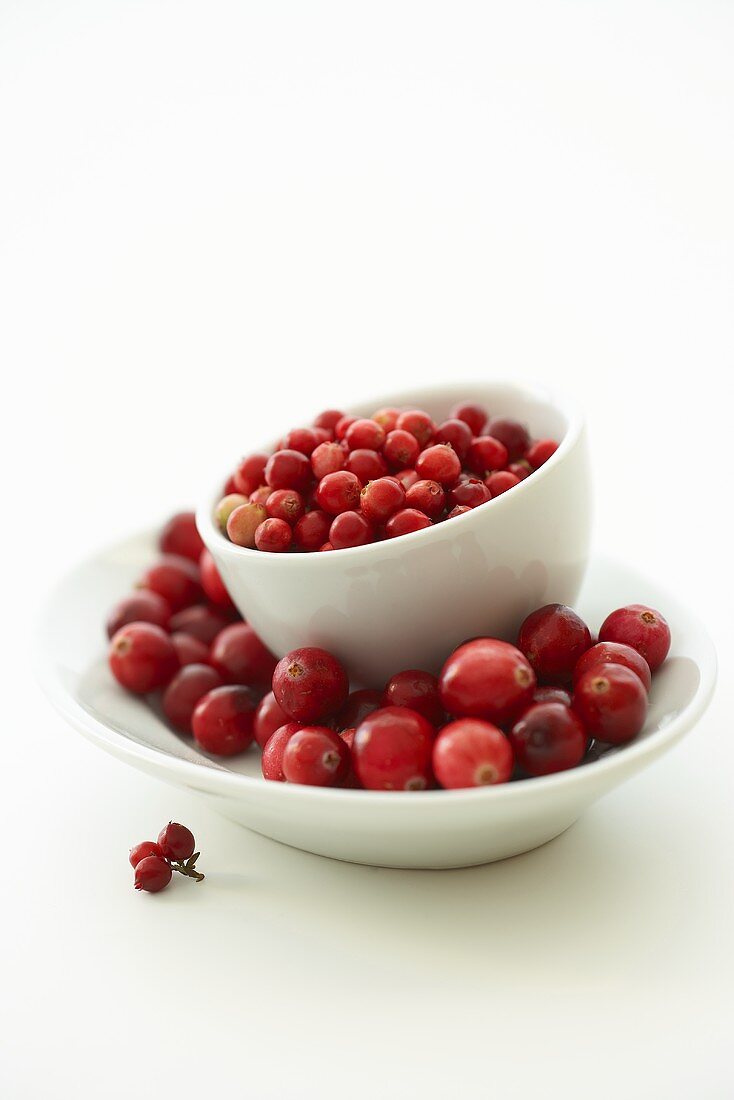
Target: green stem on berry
[{"x": 187, "y": 868}]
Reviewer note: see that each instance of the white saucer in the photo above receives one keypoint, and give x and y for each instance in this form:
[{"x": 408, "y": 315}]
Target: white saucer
[{"x": 432, "y": 829}]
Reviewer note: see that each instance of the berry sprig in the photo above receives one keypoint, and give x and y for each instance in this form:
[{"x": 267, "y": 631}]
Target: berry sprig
[{"x": 155, "y": 862}]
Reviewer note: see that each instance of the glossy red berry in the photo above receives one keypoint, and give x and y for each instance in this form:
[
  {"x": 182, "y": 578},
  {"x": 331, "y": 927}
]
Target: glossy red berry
[
  {"x": 142, "y": 657},
  {"x": 401, "y": 449},
  {"x": 459, "y": 510},
  {"x": 614, "y": 653},
  {"x": 358, "y": 705},
  {"x": 200, "y": 622},
  {"x": 312, "y": 530},
  {"x": 487, "y": 678},
  {"x": 439, "y": 463},
  {"x": 458, "y": 434},
  {"x": 553, "y": 638},
  {"x": 180, "y": 536},
  {"x": 328, "y": 419},
  {"x": 611, "y": 702},
  {"x": 339, "y": 492},
  {"x": 405, "y": 522},
  {"x": 244, "y": 521},
  {"x": 140, "y": 607},
  {"x": 349, "y": 529},
  {"x": 152, "y": 874},
  {"x": 260, "y": 495},
  {"x": 417, "y": 690},
  {"x": 274, "y": 536},
  {"x": 520, "y": 469},
  {"x": 381, "y": 498},
  {"x": 387, "y": 418},
  {"x": 226, "y": 507},
  {"x": 303, "y": 440},
  {"x": 316, "y": 756},
  {"x": 174, "y": 578},
  {"x": 269, "y": 717},
  {"x": 419, "y": 424},
  {"x": 325, "y": 547},
  {"x": 176, "y": 842},
  {"x": 285, "y": 504},
  {"x": 187, "y": 687},
  {"x": 407, "y": 478},
  {"x": 310, "y": 684},
  {"x": 189, "y": 650},
  {"x": 473, "y": 415},
  {"x": 541, "y": 451},
  {"x": 288, "y": 469},
  {"x": 427, "y": 497},
  {"x": 250, "y": 473},
  {"x": 501, "y": 481},
  {"x": 392, "y": 750},
  {"x": 241, "y": 658},
  {"x": 512, "y": 433},
  {"x": 470, "y": 493},
  {"x": 366, "y": 465},
  {"x": 327, "y": 459},
  {"x": 272, "y": 758},
  {"x": 486, "y": 454},
  {"x": 547, "y": 694},
  {"x": 223, "y": 719},
  {"x": 142, "y": 850},
  {"x": 641, "y": 627},
  {"x": 364, "y": 434},
  {"x": 471, "y": 753},
  {"x": 212, "y": 583},
  {"x": 548, "y": 738}
]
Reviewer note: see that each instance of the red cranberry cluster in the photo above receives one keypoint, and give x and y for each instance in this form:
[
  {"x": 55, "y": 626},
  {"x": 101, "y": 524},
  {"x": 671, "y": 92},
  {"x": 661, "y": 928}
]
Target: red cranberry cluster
[
  {"x": 155, "y": 861},
  {"x": 496, "y": 711},
  {"x": 350, "y": 481}
]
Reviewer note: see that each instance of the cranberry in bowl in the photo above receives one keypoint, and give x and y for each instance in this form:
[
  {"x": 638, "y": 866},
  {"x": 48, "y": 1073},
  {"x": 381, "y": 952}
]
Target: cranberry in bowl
[{"x": 399, "y": 600}]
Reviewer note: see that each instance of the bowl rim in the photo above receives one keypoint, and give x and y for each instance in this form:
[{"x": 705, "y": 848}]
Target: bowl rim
[{"x": 552, "y": 398}]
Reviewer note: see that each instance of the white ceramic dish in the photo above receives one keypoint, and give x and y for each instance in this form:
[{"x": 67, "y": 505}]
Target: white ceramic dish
[
  {"x": 431, "y": 829},
  {"x": 405, "y": 602}
]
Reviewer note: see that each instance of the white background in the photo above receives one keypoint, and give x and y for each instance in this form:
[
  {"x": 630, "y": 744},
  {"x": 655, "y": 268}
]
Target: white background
[{"x": 216, "y": 218}]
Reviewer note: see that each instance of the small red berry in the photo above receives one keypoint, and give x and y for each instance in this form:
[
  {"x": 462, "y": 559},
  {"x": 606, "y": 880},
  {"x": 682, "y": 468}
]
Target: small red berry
[
  {"x": 316, "y": 756},
  {"x": 310, "y": 684},
  {"x": 501, "y": 481},
  {"x": 548, "y": 738},
  {"x": 405, "y": 522},
  {"x": 473, "y": 415},
  {"x": 611, "y": 701},
  {"x": 381, "y": 498},
  {"x": 487, "y": 678},
  {"x": 222, "y": 720},
  {"x": 303, "y": 440},
  {"x": 419, "y": 424},
  {"x": 142, "y": 657},
  {"x": 339, "y": 492},
  {"x": 144, "y": 849},
  {"x": 513, "y": 434},
  {"x": 471, "y": 753},
  {"x": 269, "y": 717},
  {"x": 459, "y": 510},
  {"x": 547, "y": 694},
  {"x": 471, "y": 493},
  {"x": 387, "y": 418},
  {"x": 140, "y": 607},
  {"x": 366, "y": 434},
  {"x": 342, "y": 426},
  {"x": 328, "y": 419},
  {"x": 260, "y": 495},
  {"x": 327, "y": 459},
  {"x": 541, "y": 451},
  {"x": 407, "y": 478},
  {"x": 641, "y": 627},
  {"x": 439, "y": 463},
  {"x": 401, "y": 449},
  {"x": 553, "y": 639},
  {"x": 358, "y": 705},
  {"x": 185, "y": 690},
  {"x": 226, "y": 507},
  {"x": 417, "y": 690},
  {"x": 366, "y": 465},
  {"x": 458, "y": 434},
  {"x": 274, "y": 536},
  {"x": 285, "y": 504},
  {"x": 174, "y": 578},
  {"x": 189, "y": 650},
  {"x": 180, "y": 536},
  {"x": 392, "y": 750},
  {"x": 176, "y": 842},
  {"x": 520, "y": 469},
  {"x": 349, "y": 529},
  {"x": 250, "y": 473},
  {"x": 272, "y": 758},
  {"x": 244, "y": 521},
  {"x": 200, "y": 622},
  {"x": 311, "y": 530},
  {"x": 325, "y": 547},
  {"x": 428, "y": 497},
  {"x": 152, "y": 874},
  {"x": 614, "y": 653},
  {"x": 288, "y": 469},
  {"x": 486, "y": 454},
  {"x": 241, "y": 658},
  {"x": 212, "y": 583}
]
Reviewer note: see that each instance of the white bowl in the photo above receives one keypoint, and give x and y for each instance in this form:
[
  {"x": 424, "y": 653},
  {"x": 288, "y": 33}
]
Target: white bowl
[
  {"x": 427, "y": 829},
  {"x": 406, "y": 602}
]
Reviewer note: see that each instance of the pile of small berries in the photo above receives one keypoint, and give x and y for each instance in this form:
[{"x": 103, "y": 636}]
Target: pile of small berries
[
  {"x": 155, "y": 861},
  {"x": 496, "y": 711},
  {"x": 349, "y": 481}
]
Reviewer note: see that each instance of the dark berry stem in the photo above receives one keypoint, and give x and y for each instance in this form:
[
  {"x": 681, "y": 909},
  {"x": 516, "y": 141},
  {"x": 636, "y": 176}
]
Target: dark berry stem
[{"x": 188, "y": 868}]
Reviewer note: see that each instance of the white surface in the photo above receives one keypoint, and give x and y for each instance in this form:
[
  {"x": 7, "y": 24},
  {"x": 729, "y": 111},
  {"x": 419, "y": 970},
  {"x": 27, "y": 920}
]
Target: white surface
[
  {"x": 206, "y": 205},
  {"x": 436, "y": 829},
  {"x": 378, "y": 605}
]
